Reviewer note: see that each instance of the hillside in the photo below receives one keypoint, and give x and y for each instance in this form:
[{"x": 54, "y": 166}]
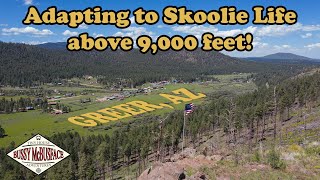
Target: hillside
[
  {"x": 270, "y": 133},
  {"x": 26, "y": 65},
  {"x": 214, "y": 158}
]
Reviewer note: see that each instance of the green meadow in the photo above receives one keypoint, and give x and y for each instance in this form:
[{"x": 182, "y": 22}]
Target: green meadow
[{"x": 21, "y": 126}]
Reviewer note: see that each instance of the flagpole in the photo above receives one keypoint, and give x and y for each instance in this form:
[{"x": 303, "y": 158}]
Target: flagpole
[{"x": 184, "y": 124}]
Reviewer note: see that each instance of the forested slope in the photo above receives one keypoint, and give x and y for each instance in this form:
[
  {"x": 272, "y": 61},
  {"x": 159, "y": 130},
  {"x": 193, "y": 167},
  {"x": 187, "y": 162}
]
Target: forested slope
[{"x": 26, "y": 65}]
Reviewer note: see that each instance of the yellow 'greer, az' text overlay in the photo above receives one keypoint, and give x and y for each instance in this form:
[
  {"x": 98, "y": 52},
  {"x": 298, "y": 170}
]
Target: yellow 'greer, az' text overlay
[{"x": 133, "y": 108}]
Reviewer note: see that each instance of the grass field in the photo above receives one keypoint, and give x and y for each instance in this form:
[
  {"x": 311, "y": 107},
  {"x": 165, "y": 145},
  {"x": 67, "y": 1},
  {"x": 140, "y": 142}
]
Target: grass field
[{"x": 20, "y": 126}]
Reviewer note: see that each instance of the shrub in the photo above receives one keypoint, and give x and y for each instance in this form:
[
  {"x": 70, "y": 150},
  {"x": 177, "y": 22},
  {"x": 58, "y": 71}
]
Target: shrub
[
  {"x": 313, "y": 150},
  {"x": 2, "y": 132},
  {"x": 257, "y": 157},
  {"x": 274, "y": 160},
  {"x": 295, "y": 148}
]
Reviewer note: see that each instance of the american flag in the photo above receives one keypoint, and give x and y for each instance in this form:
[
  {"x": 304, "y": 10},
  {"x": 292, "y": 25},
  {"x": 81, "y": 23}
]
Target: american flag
[{"x": 189, "y": 108}]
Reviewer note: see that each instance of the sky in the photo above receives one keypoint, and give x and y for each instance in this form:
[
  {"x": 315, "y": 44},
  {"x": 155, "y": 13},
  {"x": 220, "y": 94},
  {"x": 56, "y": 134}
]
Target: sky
[{"x": 303, "y": 38}]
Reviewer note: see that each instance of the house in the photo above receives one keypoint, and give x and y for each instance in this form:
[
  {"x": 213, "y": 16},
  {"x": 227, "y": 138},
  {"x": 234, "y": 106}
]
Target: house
[
  {"x": 57, "y": 111},
  {"x": 140, "y": 91},
  {"x": 37, "y": 99},
  {"x": 147, "y": 90},
  {"x": 85, "y": 100},
  {"x": 22, "y": 110},
  {"x": 87, "y": 77},
  {"x": 29, "y": 108},
  {"x": 111, "y": 98},
  {"x": 52, "y": 103},
  {"x": 69, "y": 95}
]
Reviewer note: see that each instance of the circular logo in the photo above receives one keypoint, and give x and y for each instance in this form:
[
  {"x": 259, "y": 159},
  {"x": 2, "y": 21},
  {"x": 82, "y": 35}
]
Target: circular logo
[{"x": 38, "y": 170}]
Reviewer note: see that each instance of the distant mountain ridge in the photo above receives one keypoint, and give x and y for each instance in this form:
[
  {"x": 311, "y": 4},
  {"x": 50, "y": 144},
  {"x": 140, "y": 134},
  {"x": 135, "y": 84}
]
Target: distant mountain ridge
[
  {"x": 283, "y": 58},
  {"x": 57, "y": 45},
  {"x": 286, "y": 56},
  {"x": 272, "y": 58}
]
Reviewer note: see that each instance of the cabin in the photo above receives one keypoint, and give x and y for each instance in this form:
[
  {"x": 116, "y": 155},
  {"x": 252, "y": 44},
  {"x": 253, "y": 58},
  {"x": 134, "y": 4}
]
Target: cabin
[
  {"x": 87, "y": 77},
  {"x": 140, "y": 91},
  {"x": 52, "y": 103},
  {"x": 22, "y": 110},
  {"x": 37, "y": 99},
  {"x": 147, "y": 90},
  {"x": 57, "y": 111},
  {"x": 29, "y": 108},
  {"x": 111, "y": 98},
  {"x": 85, "y": 100},
  {"x": 69, "y": 95}
]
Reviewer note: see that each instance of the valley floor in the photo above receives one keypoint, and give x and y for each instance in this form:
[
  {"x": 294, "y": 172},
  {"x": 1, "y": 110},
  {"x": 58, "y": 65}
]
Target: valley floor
[{"x": 21, "y": 125}]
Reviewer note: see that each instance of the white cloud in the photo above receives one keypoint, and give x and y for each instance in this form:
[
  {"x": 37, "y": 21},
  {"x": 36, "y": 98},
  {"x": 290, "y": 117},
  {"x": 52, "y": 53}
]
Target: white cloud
[
  {"x": 194, "y": 30},
  {"x": 3, "y": 25},
  {"x": 97, "y": 35},
  {"x": 160, "y": 26},
  {"x": 34, "y": 42},
  {"x": 282, "y": 30},
  {"x": 199, "y": 30},
  {"x": 264, "y": 31},
  {"x": 281, "y": 47},
  {"x": 134, "y": 32},
  {"x": 306, "y": 35},
  {"x": 312, "y": 46},
  {"x": 132, "y": 20},
  {"x": 69, "y": 33},
  {"x": 235, "y": 32},
  {"x": 309, "y": 28},
  {"x": 26, "y": 30},
  {"x": 258, "y": 44},
  {"x": 83, "y": 26},
  {"x": 275, "y": 30},
  {"x": 262, "y": 49},
  {"x": 28, "y": 2},
  {"x": 257, "y": 38}
]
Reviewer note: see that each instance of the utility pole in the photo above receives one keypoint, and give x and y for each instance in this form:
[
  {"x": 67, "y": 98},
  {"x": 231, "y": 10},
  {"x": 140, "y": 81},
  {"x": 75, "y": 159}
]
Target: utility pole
[
  {"x": 305, "y": 127},
  {"x": 184, "y": 124},
  {"x": 159, "y": 140},
  {"x": 160, "y": 137},
  {"x": 275, "y": 114}
]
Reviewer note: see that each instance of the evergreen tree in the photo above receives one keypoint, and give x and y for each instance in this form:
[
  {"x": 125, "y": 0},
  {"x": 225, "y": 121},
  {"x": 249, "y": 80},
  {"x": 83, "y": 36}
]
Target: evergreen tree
[{"x": 2, "y": 132}]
